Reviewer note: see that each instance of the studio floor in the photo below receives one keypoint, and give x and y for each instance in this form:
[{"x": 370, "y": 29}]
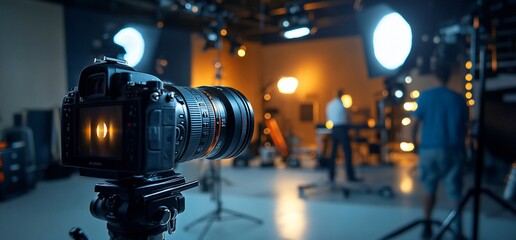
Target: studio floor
[{"x": 270, "y": 194}]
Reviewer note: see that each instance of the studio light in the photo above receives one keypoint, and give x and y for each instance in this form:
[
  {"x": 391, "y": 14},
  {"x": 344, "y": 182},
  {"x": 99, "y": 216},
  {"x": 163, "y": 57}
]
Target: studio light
[
  {"x": 236, "y": 47},
  {"x": 392, "y": 41},
  {"x": 387, "y": 39},
  {"x": 296, "y": 32},
  {"x": 211, "y": 34},
  {"x": 132, "y": 41},
  {"x": 287, "y": 85},
  {"x": 296, "y": 23}
]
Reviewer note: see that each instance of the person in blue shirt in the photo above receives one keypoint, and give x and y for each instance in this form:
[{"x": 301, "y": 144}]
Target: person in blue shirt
[{"x": 442, "y": 115}]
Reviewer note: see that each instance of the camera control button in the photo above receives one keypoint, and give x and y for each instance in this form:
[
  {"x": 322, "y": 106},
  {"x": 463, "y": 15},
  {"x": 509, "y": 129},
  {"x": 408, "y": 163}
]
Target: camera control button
[
  {"x": 168, "y": 116},
  {"x": 168, "y": 145},
  {"x": 180, "y": 98},
  {"x": 155, "y": 118},
  {"x": 154, "y": 137},
  {"x": 180, "y": 132}
]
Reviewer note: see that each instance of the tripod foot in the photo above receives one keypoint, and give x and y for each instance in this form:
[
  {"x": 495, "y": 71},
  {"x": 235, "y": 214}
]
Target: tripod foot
[{"x": 242, "y": 215}]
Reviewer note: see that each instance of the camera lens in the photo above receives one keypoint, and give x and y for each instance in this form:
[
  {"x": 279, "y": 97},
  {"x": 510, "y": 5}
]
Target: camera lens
[{"x": 219, "y": 123}]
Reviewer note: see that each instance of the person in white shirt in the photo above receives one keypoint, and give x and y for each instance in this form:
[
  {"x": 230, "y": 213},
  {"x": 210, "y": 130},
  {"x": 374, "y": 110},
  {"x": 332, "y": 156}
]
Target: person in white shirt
[{"x": 340, "y": 117}]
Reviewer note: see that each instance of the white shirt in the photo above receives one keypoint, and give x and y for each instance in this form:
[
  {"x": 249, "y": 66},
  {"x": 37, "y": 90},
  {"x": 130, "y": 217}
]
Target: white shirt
[{"x": 336, "y": 112}]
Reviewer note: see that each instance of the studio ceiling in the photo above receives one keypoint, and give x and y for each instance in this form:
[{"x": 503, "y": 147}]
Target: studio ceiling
[{"x": 258, "y": 20}]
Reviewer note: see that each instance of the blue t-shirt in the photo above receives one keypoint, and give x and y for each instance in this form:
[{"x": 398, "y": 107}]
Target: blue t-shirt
[{"x": 444, "y": 115}]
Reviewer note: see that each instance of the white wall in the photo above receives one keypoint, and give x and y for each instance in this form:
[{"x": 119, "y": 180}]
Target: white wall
[{"x": 32, "y": 57}]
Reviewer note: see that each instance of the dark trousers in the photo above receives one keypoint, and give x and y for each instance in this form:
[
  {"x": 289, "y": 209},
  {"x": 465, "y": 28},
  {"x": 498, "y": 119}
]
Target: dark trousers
[{"x": 339, "y": 135}]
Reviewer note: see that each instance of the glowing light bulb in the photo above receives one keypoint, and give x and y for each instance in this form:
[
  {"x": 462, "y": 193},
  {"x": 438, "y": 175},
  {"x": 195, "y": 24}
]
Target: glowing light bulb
[
  {"x": 287, "y": 85},
  {"x": 468, "y": 77},
  {"x": 398, "y": 93},
  {"x": 414, "y": 94},
  {"x": 468, "y": 86},
  {"x": 410, "y": 106},
  {"x": 223, "y": 32},
  {"x": 347, "y": 100},
  {"x": 408, "y": 79},
  {"x": 241, "y": 51},
  {"x": 329, "y": 124},
  {"x": 406, "y": 146},
  {"x": 468, "y": 65},
  {"x": 406, "y": 121},
  {"x": 371, "y": 123}
]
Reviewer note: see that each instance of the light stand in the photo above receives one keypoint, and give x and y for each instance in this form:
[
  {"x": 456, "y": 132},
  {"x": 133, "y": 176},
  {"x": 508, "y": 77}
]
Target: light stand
[
  {"x": 476, "y": 191},
  {"x": 216, "y": 215},
  {"x": 216, "y": 190}
]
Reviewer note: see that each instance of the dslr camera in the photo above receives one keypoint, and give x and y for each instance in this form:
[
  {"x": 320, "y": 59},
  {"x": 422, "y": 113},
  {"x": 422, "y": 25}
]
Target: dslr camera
[
  {"x": 119, "y": 122},
  {"x": 132, "y": 128}
]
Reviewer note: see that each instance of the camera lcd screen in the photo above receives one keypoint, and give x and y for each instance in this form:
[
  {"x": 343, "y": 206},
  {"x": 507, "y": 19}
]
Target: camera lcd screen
[{"x": 100, "y": 132}]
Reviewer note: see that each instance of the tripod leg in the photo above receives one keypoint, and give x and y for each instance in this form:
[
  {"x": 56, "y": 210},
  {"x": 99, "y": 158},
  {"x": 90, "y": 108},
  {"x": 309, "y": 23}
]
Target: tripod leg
[
  {"x": 453, "y": 214},
  {"x": 206, "y": 216},
  {"x": 242, "y": 215},
  {"x": 402, "y": 229},
  {"x": 499, "y": 200},
  {"x": 210, "y": 221}
]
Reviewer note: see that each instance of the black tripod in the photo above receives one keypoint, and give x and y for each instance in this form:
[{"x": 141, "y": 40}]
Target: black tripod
[
  {"x": 139, "y": 207},
  {"x": 477, "y": 190},
  {"x": 216, "y": 215}
]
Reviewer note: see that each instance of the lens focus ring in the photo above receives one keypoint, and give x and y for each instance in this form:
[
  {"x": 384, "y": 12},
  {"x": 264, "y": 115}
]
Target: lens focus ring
[{"x": 220, "y": 123}]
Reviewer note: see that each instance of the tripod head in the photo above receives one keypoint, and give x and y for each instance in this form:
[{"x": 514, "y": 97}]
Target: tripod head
[{"x": 141, "y": 207}]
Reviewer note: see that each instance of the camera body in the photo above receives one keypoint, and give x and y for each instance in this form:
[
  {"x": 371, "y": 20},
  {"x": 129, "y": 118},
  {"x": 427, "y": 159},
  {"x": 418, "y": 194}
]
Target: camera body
[
  {"x": 122, "y": 122},
  {"x": 115, "y": 121}
]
